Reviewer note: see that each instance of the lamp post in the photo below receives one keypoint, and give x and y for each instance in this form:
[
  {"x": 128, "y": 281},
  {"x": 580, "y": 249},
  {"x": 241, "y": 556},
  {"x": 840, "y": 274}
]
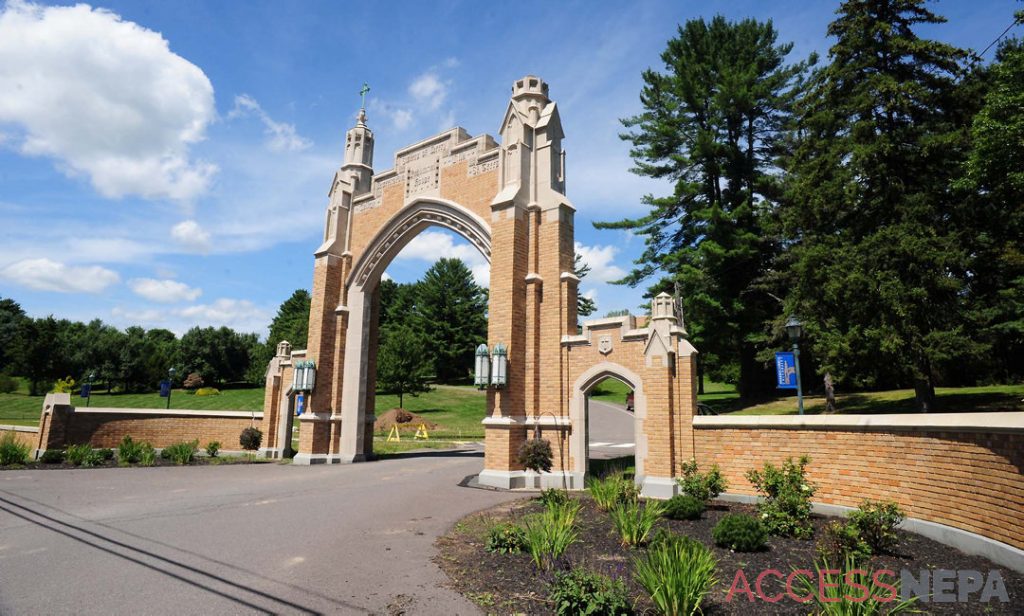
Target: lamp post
[
  {"x": 794, "y": 328},
  {"x": 170, "y": 385},
  {"x": 88, "y": 399}
]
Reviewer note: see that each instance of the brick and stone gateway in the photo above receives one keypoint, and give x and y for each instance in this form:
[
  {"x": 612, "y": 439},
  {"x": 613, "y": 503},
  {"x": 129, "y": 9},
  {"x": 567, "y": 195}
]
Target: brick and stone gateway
[
  {"x": 953, "y": 473},
  {"x": 508, "y": 200}
]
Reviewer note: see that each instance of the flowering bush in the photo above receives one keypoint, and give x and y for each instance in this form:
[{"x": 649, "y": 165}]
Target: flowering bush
[
  {"x": 702, "y": 486},
  {"x": 786, "y": 507}
]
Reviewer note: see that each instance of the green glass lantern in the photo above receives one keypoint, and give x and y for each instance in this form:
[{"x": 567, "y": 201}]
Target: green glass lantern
[
  {"x": 499, "y": 365},
  {"x": 483, "y": 367}
]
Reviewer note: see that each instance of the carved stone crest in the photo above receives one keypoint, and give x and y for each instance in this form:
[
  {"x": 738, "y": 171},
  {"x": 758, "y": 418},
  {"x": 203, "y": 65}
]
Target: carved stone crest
[{"x": 604, "y": 344}]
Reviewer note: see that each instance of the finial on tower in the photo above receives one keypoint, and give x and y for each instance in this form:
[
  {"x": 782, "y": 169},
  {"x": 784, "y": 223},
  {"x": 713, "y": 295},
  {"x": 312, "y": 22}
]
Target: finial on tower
[{"x": 363, "y": 93}]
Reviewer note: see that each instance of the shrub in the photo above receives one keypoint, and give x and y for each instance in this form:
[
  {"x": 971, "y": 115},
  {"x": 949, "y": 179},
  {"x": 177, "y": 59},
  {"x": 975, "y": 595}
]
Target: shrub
[
  {"x": 106, "y": 453},
  {"x": 506, "y": 539},
  {"x": 11, "y": 451},
  {"x": 65, "y": 385},
  {"x": 853, "y": 591},
  {"x": 702, "y": 486},
  {"x": 841, "y": 541},
  {"x": 877, "y": 523},
  {"x": 677, "y": 572},
  {"x": 147, "y": 455},
  {"x": 582, "y": 592},
  {"x": 554, "y": 497},
  {"x": 612, "y": 490},
  {"x": 207, "y": 391},
  {"x": 193, "y": 381},
  {"x": 634, "y": 520},
  {"x": 181, "y": 453},
  {"x": 250, "y": 439},
  {"x": 213, "y": 448},
  {"x": 535, "y": 455},
  {"x": 76, "y": 454},
  {"x": 683, "y": 507},
  {"x": 8, "y": 384},
  {"x": 129, "y": 451},
  {"x": 740, "y": 533},
  {"x": 95, "y": 457},
  {"x": 52, "y": 456},
  {"x": 786, "y": 508},
  {"x": 550, "y": 533}
]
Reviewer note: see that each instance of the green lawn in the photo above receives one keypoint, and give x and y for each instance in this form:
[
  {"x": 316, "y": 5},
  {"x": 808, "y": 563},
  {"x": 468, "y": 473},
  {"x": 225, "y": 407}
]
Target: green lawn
[
  {"x": 949, "y": 399},
  {"x": 456, "y": 409}
]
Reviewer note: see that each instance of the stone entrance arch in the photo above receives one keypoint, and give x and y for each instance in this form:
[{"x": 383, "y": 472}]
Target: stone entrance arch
[
  {"x": 579, "y": 414},
  {"x": 508, "y": 199}
]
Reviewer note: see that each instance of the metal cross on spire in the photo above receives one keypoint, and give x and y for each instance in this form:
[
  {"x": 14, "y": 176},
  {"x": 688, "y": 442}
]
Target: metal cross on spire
[{"x": 362, "y": 92}]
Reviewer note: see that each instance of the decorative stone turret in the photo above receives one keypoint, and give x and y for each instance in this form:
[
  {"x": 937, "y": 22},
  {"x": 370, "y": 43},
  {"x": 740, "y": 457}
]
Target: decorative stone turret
[{"x": 358, "y": 165}]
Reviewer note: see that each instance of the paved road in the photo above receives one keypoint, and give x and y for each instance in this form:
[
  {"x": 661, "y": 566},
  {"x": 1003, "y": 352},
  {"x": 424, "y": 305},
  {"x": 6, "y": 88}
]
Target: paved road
[
  {"x": 611, "y": 430},
  {"x": 234, "y": 539},
  {"x": 246, "y": 539}
]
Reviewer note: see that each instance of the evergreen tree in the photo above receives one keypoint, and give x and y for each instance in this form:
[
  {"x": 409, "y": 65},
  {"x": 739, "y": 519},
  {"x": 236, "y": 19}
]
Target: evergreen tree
[
  {"x": 403, "y": 363},
  {"x": 711, "y": 125},
  {"x": 994, "y": 217},
  {"x": 291, "y": 323},
  {"x": 585, "y": 306},
  {"x": 11, "y": 316},
  {"x": 874, "y": 268},
  {"x": 451, "y": 311}
]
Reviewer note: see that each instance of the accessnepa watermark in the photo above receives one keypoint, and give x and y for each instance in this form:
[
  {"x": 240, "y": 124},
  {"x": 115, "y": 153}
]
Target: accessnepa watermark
[{"x": 881, "y": 585}]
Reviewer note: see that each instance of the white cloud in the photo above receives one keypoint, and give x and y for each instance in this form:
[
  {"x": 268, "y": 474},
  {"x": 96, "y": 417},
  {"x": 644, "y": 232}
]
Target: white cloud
[
  {"x": 281, "y": 137},
  {"x": 190, "y": 234},
  {"x": 401, "y": 118},
  {"x": 239, "y": 314},
  {"x": 600, "y": 259},
  {"x": 386, "y": 276},
  {"x": 47, "y": 275},
  {"x": 165, "y": 291},
  {"x": 429, "y": 90},
  {"x": 430, "y": 246},
  {"x": 104, "y": 97}
]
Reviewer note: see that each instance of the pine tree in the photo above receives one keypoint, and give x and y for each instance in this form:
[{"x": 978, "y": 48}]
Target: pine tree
[
  {"x": 874, "y": 266},
  {"x": 403, "y": 363},
  {"x": 585, "y": 306},
  {"x": 994, "y": 215},
  {"x": 710, "y": 125},
  {"x": 451, "y": 311}
]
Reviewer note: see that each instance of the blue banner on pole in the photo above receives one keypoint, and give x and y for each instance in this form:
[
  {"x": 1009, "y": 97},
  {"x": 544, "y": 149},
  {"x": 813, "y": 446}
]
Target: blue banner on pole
[
  {"x": 86, "y": 390},
  {"x": 785, "y": 370},
  {"x": 165, "y": 389},
  {"x": 300, "y": 403}
]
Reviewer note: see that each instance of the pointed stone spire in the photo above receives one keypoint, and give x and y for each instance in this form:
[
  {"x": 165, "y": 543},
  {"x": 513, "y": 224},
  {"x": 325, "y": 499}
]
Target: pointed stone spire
[{"x": 358, "y": 164}]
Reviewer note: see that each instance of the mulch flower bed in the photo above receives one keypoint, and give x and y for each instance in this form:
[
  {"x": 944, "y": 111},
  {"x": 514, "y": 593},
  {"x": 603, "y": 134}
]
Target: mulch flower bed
[{"x": 510, "y": 583}]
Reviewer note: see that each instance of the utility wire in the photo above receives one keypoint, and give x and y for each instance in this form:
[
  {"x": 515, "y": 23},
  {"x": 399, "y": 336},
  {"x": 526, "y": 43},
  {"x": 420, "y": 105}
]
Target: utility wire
[{"x": 1016, "y": 21}]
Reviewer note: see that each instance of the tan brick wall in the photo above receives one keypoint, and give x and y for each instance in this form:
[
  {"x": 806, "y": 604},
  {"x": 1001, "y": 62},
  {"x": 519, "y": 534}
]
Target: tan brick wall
[
  {"x": 25, "y": 436},
  {"x": 968, "y": 480},
  {"x": 107, "y": 429}
]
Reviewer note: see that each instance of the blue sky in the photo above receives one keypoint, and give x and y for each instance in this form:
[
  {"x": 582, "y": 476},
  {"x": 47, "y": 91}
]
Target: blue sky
[{"x": 166, "y": 163}]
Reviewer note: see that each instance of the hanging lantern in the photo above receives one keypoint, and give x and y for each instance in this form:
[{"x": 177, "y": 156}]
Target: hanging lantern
[
  {"x": 483, "y": 367},
  {"x": 499, "y": 365},
  {"x": 304, "y": 377}
]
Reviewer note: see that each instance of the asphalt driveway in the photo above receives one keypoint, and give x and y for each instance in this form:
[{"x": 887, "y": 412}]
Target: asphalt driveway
[{"x": 274, "y": 539}]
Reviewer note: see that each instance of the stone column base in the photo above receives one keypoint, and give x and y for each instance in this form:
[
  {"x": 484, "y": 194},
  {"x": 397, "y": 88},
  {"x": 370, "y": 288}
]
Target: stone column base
[
  {"x": 658, "y": 487},
  {"x": 307, "y": 459},
  {"x": 513, "y": 480}
]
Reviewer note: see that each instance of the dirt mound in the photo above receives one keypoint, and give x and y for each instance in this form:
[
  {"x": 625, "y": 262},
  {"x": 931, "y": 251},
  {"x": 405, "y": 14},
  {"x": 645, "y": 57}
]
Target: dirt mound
[{"x": 401, "y": 418}]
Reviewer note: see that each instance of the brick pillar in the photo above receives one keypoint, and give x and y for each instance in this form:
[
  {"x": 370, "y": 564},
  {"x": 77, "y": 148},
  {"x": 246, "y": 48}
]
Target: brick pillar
[
  {"x": 508, "y": 323},
  {"x": 318, "y": 429}
]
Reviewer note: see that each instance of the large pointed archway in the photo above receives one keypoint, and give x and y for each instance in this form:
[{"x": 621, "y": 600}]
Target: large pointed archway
[{"x": 509, "y": 201}]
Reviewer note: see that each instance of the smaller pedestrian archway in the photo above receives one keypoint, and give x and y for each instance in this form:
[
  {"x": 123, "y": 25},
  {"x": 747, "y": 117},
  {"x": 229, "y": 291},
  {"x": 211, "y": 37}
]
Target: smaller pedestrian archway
[{"x": 581, "y": 416}]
